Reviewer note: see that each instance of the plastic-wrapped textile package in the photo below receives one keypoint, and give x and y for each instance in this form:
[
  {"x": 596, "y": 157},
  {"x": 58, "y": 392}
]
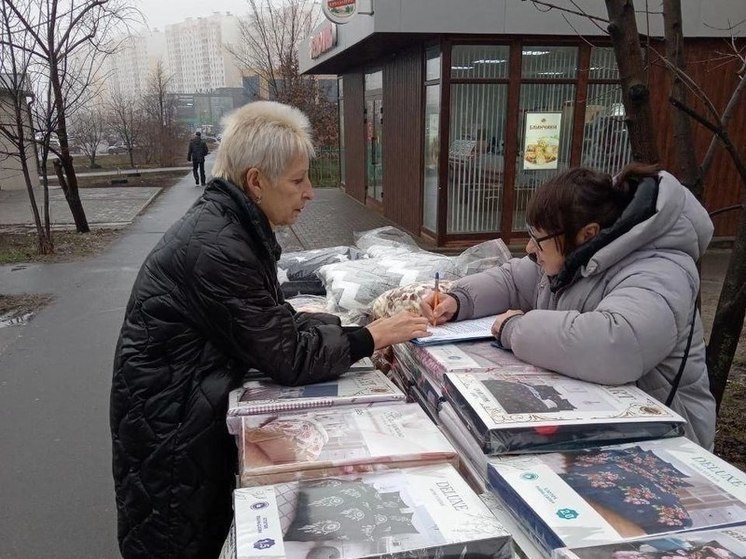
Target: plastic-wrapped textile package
[
  {"x": 474, "y": 473},
  {"x": 618, "y": 493},
  {"x": 424, "y": 512},
  {"x": 384, "y": 236},
  {"x": 261, "y": 397},
  {"x": 324, "y": 442},
  {"x": 466, "y": 444},
  {"x": 464, "y": 357},
  {"x": 321, "y": 304},
  {"x": 725, "y": 543},
  {"x": 511, "y": 411},
  {"x": 356, "y": 284},
  {"x": 297, "y": 271},
  {"x": 482, "y": 257},
  {"x": 525, "y": 545}
]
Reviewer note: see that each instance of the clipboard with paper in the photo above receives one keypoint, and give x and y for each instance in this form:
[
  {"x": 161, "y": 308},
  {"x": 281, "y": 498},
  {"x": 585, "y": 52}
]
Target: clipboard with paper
[{"x": 463, "y": 330}]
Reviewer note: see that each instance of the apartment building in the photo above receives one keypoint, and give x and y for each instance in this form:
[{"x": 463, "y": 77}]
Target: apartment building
[{"x": 196, "y": 53}]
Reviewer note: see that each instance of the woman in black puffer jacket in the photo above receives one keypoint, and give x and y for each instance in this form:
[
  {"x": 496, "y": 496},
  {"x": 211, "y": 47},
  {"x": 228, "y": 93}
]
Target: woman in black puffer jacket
[{"x": 206, "y": 307}]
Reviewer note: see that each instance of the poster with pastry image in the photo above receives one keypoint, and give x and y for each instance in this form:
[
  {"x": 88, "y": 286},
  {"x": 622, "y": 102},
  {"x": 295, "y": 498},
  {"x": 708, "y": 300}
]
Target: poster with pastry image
[{"x": 541, "y": 141}]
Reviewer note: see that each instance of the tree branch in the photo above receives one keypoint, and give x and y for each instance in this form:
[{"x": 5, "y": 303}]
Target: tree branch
[
  {"x": 730, "y": 109},
  {"x": 719, "y": 132}
]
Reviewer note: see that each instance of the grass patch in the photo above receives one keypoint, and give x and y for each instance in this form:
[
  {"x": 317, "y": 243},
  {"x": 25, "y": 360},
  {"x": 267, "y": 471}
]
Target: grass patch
[
  {"x": 730, "y": 440},
  {"x": 163, "y": 180},
  {"x": 16, "y": 247},
  {"x": 13, "y": 305}
]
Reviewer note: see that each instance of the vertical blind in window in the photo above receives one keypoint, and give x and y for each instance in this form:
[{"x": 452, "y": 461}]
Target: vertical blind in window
[
  {"x": 475, "y": 158},
  {"x": 477, "y": 135},
  {"x": 606, "y": 144}
]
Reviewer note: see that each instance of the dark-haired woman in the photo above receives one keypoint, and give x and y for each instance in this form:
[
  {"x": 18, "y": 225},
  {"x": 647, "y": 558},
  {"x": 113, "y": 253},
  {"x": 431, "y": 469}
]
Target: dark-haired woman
[{"x": 608, "y": 290}]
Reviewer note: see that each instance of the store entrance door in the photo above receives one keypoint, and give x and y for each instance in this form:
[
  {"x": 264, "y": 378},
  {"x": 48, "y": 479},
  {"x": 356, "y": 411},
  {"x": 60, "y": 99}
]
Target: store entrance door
[{"x": 373, "y": 144}]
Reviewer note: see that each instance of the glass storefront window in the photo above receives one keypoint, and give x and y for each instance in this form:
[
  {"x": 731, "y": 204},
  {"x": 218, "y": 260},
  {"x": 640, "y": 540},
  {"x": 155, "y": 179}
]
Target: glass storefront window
[
  {"x": 603, "y": 64},
  {"x": 432, "y": 63},
  {"x": 374, "y": 134},
  {"x": 606, "y": 144},
  {"x": 549, "y": 62},
  {"x": 431, "y": 153},
  {"x": 475, "y": 157},
  {"x": 556, "y": 101},
  {"x": 480, "y": 61}
]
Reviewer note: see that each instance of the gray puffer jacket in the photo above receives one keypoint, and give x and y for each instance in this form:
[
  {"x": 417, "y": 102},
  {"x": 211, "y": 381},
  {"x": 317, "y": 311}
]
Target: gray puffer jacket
[{"x": 621, "y": 309}]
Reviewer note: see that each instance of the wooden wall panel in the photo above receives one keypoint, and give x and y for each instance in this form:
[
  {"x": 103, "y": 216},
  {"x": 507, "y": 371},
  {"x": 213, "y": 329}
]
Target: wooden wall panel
[
  {"x": 354, "y": 135},
  {"x": 717, "y": 76},
  {"x": 402, "y": 139}
]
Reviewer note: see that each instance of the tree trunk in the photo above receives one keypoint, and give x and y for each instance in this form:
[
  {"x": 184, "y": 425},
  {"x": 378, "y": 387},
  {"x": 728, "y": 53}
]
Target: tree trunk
[
  {"x": 687, "y": 168},
  {"x": 43, "y": 235},
  {"x": 729, "y": 316},
  {"x": 635, "y": 93},
  {"x": 71, "y": 193}
]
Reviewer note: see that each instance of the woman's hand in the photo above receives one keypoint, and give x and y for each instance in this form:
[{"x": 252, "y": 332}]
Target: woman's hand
[
  {"x": 438, "y": 307},
  {"x": 401, "y": 327},
  {"x": 502, "y": 318}
]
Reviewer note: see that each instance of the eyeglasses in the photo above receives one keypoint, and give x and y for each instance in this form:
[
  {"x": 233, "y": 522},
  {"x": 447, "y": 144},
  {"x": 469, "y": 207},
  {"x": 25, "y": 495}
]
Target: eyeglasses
[{"x": 538, "y": 240}]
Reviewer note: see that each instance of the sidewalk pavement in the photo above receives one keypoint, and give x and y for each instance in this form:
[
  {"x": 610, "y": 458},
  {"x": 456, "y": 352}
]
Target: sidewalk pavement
[{"x": 55, "y": 372}]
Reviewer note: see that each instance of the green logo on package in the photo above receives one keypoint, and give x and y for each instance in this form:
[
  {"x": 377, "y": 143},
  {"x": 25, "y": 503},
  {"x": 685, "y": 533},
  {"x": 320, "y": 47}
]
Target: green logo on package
[
  {"x": 567, "y": 514},
  {"x": 529, "y": 476}
]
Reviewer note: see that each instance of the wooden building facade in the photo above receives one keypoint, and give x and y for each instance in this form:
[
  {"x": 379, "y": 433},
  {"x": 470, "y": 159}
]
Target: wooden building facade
[{"x": 449, "y": 133}]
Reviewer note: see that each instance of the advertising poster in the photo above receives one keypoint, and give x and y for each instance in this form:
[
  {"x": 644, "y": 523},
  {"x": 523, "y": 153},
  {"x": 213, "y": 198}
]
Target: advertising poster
[{"x": 541, "y": 141}]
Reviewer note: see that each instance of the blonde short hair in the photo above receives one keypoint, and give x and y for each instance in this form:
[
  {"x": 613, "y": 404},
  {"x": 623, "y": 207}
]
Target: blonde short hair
[{"x": 263, "y": 134}]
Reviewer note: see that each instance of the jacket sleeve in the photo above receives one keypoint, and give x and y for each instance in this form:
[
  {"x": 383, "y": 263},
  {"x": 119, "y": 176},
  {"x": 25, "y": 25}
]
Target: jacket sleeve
[
  {"x": 189, "y": 152},
  {"x": 205, "y": 149},
  {"x": 635, "y": 327},
  {"x": 241, "y": 315},
  {"x": 306, "y": 320},
  {"x": 510, "y": 286}
]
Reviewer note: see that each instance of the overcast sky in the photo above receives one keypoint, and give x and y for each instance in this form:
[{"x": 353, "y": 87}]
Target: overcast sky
[{"x": 160, "y": 13}]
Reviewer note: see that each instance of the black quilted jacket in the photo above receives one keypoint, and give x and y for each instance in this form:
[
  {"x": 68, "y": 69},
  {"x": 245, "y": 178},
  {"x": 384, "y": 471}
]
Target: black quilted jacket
[{"x": 205, "y": 307}]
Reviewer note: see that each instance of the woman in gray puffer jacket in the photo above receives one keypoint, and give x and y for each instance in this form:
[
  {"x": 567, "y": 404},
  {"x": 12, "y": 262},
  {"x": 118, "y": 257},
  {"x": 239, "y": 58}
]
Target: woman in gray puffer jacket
[{"x": 608, "y": 290}]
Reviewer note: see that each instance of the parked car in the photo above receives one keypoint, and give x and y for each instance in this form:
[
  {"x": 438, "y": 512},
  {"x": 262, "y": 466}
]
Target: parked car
[{"x": 117, "y": 149}]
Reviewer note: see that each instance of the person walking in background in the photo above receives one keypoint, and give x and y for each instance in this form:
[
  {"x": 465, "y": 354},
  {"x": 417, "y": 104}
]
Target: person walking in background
[{"x": 197, "y": 152}]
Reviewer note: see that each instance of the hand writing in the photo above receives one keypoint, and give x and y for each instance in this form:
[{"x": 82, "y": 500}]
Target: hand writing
[{"x": 438, "y": 308}]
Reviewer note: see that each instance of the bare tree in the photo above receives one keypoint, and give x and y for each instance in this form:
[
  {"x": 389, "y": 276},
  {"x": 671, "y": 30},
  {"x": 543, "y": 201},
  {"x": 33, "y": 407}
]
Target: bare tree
[
  {"x": 163, "y": 138},
  {"x": 16, "y": 123},
  {"x": 70, "y": 38},
  {"x": 126, "y": 120},
  {"x": 270, "y": 37},
  {"x": 89, "y": 132}
]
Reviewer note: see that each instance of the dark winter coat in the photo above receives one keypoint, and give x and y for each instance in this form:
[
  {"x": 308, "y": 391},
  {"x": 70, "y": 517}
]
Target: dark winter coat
[
  {"x": 205, "y": 307},
  {"x": 197, "y": 150}
]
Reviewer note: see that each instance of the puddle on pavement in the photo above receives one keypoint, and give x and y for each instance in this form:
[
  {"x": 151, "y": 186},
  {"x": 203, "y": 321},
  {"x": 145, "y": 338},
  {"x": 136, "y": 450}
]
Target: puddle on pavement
[{"x": 15, "y": 318}]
